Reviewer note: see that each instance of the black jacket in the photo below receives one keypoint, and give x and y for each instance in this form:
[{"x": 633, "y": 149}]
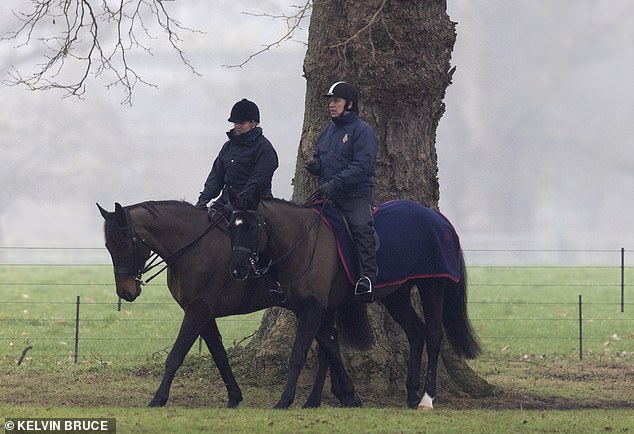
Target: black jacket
[{"x": 244, "y": 167}]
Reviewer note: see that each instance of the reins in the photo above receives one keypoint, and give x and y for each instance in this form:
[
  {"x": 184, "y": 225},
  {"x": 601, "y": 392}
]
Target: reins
[
  {"x": 308, "y": 202},
  {"x": 154, "y": 261}
]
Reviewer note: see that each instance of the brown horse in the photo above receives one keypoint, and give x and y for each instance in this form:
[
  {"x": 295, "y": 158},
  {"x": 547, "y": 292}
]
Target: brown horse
[
  {"x": 305, "y": 251},
  {"x": 197, "y": 254}
]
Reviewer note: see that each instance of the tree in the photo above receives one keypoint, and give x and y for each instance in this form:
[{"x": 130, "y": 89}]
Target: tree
[{"x": 397, "y": 53}]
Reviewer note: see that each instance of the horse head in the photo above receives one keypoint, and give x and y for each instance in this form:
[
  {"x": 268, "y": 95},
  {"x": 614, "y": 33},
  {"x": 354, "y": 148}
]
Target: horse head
[
  {"x": 247, "y": 237},
  {"x": 127, "y": 250}
]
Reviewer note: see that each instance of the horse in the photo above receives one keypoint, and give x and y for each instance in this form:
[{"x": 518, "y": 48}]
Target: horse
[
  {"x": 196, "y": 253},
  {"x": 306, "y": 253}
]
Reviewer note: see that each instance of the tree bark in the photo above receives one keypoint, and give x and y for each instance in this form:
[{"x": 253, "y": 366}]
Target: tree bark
[{"x": 397, "y": 53}]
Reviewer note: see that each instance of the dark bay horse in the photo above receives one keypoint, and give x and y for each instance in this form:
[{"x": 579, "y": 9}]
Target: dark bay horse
[
  {"x": 197, "y": 255},
  {"x": 305, "y": 251}
]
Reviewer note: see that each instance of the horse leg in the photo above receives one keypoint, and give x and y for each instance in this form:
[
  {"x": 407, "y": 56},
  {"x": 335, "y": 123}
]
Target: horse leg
[
  {"x": 189, "y": 331},
  {"x": 314, "y": 399},
  {"x": 213, "y": 339},
  {"x": 330, "y": 355},
  {"x": 400, "y": 307},
  {"x": 308, "y": 320},
  {"x": 432, "y": 301}
]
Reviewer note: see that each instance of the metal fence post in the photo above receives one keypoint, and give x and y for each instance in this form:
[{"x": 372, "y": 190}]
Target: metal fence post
[
  {"x": 77, "y": 330},
  {"x": 580, "y": 330},
  {"x": 622, "y": 279}
]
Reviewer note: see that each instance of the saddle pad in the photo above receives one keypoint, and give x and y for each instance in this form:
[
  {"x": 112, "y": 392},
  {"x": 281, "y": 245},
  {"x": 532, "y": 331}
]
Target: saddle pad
[{"x": 415, "y": 242}]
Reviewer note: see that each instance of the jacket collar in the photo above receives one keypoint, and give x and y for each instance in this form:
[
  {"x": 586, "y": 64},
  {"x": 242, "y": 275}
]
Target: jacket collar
[
  {"x": 345, "y": 118},
  {"x": 249, "y": 136}
]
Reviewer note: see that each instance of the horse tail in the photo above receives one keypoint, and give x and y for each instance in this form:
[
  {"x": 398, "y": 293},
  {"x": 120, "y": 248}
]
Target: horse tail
[
  {"x": 457, "y": 326},
  {"x": 353, "y": 326}
]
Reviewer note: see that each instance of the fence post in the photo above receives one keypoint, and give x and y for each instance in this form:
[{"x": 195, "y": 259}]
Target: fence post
[
  {"x": 580, "y": 330},
  {"x": 77, "y": 330},
  {"x": 622, "y": 279}
]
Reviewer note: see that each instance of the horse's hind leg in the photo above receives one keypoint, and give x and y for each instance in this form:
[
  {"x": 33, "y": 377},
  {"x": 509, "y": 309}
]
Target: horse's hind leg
[
  {"x": 308, "y": 320},
  {"x": 211, "y": 335},
  {"x": 400, "y": 307},
  {"x": 189, "y": 331},
  {"x": 431, "y": 295}
]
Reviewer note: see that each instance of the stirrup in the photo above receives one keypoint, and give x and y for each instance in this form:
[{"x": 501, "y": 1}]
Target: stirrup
[{"x": 363, "y": 286}]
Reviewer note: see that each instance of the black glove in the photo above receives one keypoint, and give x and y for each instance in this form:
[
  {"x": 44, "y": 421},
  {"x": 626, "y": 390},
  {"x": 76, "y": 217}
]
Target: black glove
[
  {"x": 314, "y": 166},
  {"x": 202, "y": 204},
  {"x": 326, "y": 190}
]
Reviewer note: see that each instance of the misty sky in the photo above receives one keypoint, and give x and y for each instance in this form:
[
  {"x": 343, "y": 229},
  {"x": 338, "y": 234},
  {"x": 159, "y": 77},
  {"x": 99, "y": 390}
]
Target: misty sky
[{"x": 534, "y": 149}]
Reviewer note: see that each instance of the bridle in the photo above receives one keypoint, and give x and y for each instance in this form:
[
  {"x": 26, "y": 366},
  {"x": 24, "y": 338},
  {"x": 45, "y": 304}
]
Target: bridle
[
  {"x": 154, "y": 260},
  {"x": 254, "y": 251}
]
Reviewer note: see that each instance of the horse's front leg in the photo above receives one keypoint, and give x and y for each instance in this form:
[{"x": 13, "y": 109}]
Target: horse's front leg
[
  {"x": 189, "y": 331},
  {"x": 213, "y": 339},
  {"x": 342, "y": 386},
  {"x": 308, "y": 321},
  {"x": 314, "y": 399}
]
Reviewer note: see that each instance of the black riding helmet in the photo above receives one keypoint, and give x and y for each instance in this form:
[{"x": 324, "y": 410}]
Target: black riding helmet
[
  {"x": 243, "y": 111},
  {"x": 344, "y": 90}
]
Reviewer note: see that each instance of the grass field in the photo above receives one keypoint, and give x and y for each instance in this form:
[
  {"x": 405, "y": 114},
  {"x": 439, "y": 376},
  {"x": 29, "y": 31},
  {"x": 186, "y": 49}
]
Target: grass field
[
  {"x": 517, "y": 311},
  {"x": 526, "y": 317}
]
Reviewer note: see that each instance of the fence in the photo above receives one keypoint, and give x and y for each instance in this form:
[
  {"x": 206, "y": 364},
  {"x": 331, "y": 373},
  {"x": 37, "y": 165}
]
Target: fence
[{"x": 69, "y": 311}]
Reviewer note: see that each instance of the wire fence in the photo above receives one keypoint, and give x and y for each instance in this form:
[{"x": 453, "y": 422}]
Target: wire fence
[{"x": 67, "y": 310}]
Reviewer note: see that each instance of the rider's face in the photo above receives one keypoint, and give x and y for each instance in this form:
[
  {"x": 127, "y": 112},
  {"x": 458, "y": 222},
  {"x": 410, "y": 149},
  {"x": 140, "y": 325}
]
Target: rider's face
[
  {"x": 243, "y": 127},
  {"x": 336, "y": 106}
]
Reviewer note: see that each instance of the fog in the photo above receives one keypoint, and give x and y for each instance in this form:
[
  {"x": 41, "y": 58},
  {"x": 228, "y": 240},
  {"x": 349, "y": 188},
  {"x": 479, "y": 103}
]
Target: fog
[{"x": 534, "y": 148}]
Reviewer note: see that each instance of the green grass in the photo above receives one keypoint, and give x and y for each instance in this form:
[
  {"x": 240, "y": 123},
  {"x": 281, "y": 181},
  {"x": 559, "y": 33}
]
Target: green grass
[
  {"x": 526, "y": 317},
  {"x": 177, "y": 420},
  {"x": 517, "y": 312},
  {"x": 530, "y": 311},
  {"x": 39, "y": 304}
]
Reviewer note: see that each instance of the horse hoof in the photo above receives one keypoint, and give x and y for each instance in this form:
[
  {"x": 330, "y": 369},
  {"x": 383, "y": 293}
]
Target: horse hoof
[
  {"x": 281, "y": 406},
  {"x": 354, "y": 402},
  {"x": 312, "y": 404},
  {"x": 157, "y": 403},
  {"x": 426, "y": 403}
]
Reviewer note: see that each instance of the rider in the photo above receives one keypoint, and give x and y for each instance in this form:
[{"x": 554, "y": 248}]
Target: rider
[
  {"x": 344, "y": 161},
  {"x": 242, "y": 172}
]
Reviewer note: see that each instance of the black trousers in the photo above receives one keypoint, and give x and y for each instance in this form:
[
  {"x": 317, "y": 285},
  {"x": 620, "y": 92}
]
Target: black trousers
[{"x": 358, "y": 214}]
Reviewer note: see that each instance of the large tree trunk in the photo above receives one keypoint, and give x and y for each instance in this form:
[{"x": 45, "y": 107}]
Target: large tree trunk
[{"x": 398, "y": 55}]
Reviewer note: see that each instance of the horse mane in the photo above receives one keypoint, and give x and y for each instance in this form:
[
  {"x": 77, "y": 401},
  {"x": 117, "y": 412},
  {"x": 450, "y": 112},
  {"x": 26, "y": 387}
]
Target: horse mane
[
  {"x": 286, "y": 202},
  {"x": 152, "y": 206}
]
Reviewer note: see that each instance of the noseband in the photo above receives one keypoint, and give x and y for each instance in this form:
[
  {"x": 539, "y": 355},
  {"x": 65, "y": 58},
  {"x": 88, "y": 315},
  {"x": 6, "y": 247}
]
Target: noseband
[
  {"x": 252, "y": 252},
  {"x": 138, "y": 264}
]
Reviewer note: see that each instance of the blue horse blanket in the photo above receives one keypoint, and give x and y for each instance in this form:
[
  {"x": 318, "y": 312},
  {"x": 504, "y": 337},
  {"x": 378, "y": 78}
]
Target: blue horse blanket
[{"x": 415, "y": 242}]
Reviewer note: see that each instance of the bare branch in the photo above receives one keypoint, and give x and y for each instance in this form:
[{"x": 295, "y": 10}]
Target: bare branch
[
  {"x": 99, "y": 35},
  {"x": 293, "y": 24}
]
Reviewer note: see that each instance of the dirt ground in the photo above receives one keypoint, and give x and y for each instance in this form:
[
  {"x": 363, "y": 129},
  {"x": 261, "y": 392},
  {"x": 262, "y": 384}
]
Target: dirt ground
[{"x": 548, "y": 384}]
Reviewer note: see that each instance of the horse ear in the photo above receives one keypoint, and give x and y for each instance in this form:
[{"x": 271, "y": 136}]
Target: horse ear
[
  {"x": 119, "y": 213},
  {"x": 103, "y": 212}
]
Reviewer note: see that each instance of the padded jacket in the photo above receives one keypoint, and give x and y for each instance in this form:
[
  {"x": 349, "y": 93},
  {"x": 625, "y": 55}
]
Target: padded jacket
[
  {"x": 244, "y": 166},
  {"x": 346, "y": 153}
]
